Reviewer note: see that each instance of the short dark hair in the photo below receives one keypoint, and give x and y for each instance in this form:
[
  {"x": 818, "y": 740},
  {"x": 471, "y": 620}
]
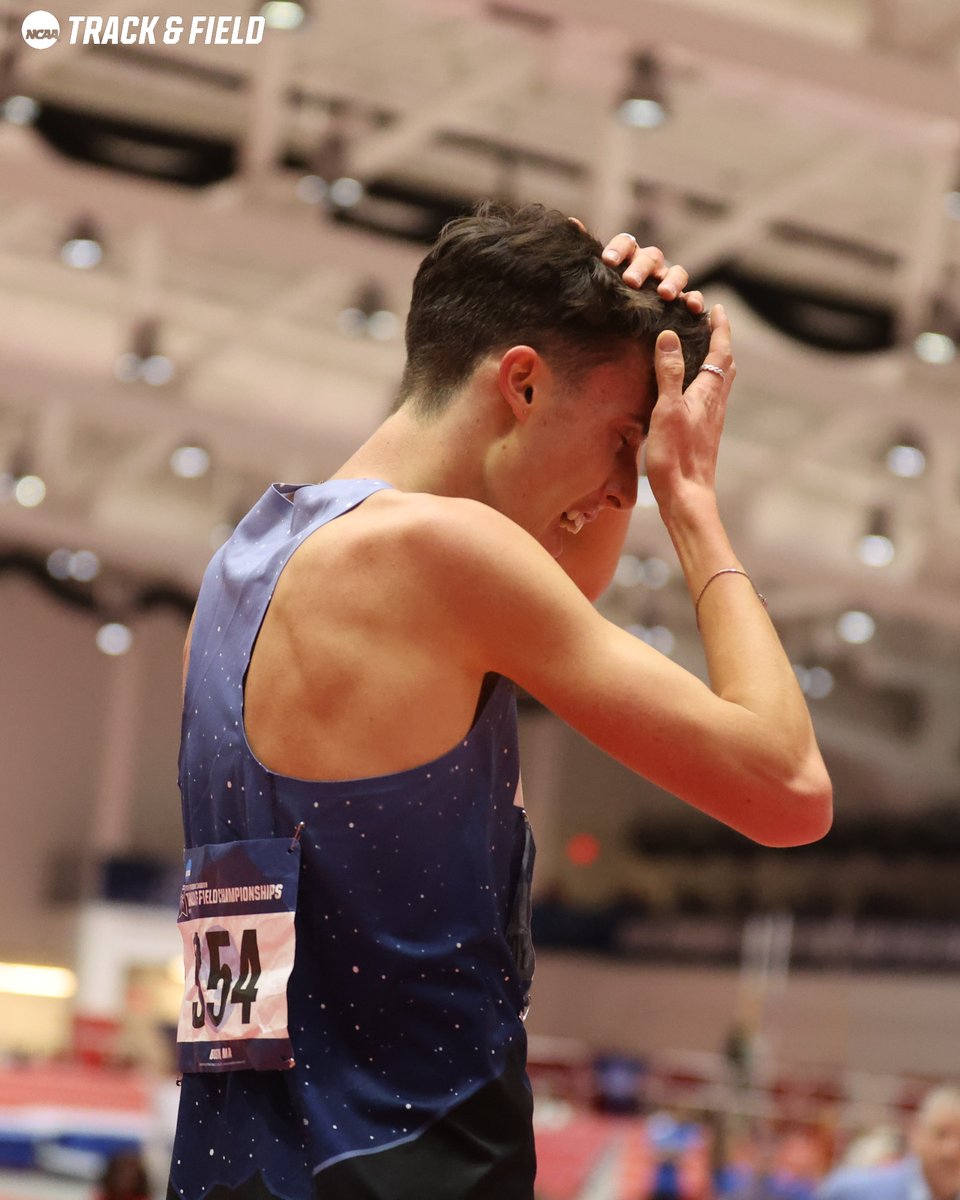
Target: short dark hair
[{"x": 510, "y": 276}]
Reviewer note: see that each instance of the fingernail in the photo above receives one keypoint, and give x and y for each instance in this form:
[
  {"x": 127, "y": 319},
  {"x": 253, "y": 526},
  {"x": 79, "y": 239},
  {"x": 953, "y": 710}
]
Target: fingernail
[
  {"x": 611, "y": 256},
  {"x": 668, "y": 342},
  {"x": 668, "y": 291}
]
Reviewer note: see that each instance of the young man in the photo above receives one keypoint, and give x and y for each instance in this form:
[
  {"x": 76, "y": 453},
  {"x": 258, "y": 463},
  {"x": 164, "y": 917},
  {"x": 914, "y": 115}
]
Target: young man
[{"x": 349, "y": 725}]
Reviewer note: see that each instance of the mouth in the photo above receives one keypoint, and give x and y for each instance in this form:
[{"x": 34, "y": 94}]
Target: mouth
[{"x": 573, "y": 520}]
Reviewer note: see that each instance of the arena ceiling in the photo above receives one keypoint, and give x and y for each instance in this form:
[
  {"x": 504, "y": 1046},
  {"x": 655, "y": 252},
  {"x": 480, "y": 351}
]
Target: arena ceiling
[{"x": 805, "y": 169}]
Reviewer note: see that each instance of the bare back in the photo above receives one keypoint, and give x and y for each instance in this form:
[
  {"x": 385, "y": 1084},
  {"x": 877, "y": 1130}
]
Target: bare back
[{"x": 351, "y": 675}]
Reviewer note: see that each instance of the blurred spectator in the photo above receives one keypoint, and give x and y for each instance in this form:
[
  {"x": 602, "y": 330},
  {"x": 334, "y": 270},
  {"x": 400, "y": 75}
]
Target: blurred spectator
[
  {"x": 738, "y": 1051},
  {"x": 773, "y": 1176},
  {"x": 876, "y": 1148},
  {"x": 931, "y": 1172},
  {"x": 125, "y": 1178}
]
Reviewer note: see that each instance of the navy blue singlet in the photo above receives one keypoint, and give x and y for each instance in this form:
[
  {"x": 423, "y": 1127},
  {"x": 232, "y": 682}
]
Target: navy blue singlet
[{"x": 413, "y": 958}]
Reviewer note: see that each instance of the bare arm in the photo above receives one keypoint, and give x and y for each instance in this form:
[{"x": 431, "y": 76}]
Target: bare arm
[
  {"x": 737, "y": 752},
  {"x": 745, "y": 660},
  {"x": 742, "y": 749}
]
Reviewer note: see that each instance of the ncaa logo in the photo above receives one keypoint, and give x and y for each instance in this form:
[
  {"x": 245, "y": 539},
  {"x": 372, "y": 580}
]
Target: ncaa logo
[{"x": 40, "y": 30}]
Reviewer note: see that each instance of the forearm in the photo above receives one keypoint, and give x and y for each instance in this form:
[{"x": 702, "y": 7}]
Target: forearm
[{"x": 746, "y": 662}]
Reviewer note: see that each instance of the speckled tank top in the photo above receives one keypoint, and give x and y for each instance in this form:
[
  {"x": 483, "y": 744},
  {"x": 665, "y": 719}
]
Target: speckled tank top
[{"x": 412, "y": 960}]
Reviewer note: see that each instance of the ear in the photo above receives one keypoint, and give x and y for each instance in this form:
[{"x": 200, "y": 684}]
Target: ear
[{"x": 520, "y": 373}]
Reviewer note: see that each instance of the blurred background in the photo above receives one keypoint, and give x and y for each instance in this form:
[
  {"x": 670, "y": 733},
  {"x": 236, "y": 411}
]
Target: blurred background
[{"x": 206, "y": 253}]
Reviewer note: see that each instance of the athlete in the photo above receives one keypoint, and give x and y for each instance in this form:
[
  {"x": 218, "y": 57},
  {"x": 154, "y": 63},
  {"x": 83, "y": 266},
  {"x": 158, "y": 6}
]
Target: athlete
[{"x": 355, "y": 910}]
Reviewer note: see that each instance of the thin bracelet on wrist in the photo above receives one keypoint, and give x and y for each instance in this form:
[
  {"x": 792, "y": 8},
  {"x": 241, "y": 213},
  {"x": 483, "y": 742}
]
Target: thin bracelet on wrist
[{"x": 716, "y": 575}]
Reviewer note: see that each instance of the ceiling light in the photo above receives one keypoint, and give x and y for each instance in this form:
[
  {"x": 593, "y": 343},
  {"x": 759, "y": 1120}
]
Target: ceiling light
[
  {"x": 328, "y": 178},
  {"x": 283, "y": 14},
  {"x": 643, "y": 102},
  {"x": 156, "y": 370},
  {"x": 81, "y": 253},
  {"x": 190, "y": 462},
  {"x": 29, "y": 491},
  {"x": 114, "y": 638},
  {"x": 20, "y": 110},
  {"x": 660, "y": 638},
  {"x": 629, "y": 571},
  {"x": 143, "y": 359},
  {"x": 656, "y": 573},
  {"x": 815, "y": 682},
  {"x": 345, "y": 192},
  {"x": 127, "y": 367},
  {"x": 58, "y": 563},
  {"x": 819, "y": 683},
  {"x": 876, "y": 548},
  {"x": 311, "y": 189},
  {"x": 642, "y": 114},
  {"x": 367, "y": 314},
  {"x": 84, "y": 566},
  {"x": 935, "y": 348},
  {"x": 383, "y": 325},
  {"x": 905, "y": 456},
  {"x": 352, "y": 322},
  {"x": 856, "y": 627},
  {"x": 82, "y": 247}
]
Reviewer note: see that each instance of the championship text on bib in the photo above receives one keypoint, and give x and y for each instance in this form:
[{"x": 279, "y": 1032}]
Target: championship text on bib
[{"x": 236, "y": 919}]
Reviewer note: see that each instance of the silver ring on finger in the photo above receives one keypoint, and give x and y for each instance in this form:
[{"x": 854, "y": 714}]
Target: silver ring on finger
[{"x": 713, "y": 370}]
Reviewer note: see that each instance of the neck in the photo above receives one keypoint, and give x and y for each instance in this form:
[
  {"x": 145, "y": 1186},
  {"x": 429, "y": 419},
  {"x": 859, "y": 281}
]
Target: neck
[{"x": 443, "y": 455}]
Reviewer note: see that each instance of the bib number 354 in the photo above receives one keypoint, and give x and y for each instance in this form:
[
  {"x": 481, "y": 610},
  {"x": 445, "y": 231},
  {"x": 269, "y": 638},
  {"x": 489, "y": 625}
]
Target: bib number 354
[
  {"x": 238, "y": 926},
  {"x": 220, "y": 975}
]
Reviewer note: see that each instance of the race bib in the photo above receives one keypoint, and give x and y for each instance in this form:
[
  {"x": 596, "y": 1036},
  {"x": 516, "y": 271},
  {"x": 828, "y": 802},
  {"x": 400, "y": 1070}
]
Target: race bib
[{"x": 237, "y": 908}]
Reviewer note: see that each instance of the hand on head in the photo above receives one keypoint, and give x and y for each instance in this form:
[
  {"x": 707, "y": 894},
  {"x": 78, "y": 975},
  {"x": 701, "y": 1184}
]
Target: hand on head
[
  {"x": 685, "y": 428},
  {"x": 645, "y": 262}
]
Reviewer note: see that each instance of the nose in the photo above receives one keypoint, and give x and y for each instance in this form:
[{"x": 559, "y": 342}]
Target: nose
[{"x": 621, "y": 487}]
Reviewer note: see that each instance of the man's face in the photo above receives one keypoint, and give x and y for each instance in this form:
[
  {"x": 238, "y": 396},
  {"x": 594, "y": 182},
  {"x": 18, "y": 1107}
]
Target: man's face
[
  {"x": 581, "y": 445},
  {"x": 936, "y": 1142}
]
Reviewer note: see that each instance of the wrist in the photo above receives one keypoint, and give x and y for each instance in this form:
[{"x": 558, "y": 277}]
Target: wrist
[
  {"x": 700, "y": 539},
  {"x": 689, "y": 506}
]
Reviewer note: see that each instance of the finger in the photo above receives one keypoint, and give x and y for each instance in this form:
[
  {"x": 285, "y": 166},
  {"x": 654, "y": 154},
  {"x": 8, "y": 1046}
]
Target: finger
[
  {"x": 694, "y": 301},
  {"x": 720, "y": 350},
  {"x": 718, "y": 369},
  {"x": 619, "y": 249},
  {"x": 672, "y": 282},
  {"x": 646, "y": 261},
  {"x": 668, "y": 363},
  {"x": 579, "y": 224}
]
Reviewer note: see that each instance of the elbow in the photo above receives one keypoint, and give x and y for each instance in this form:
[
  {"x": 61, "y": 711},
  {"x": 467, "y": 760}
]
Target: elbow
[{"x": 800, "y": 812}]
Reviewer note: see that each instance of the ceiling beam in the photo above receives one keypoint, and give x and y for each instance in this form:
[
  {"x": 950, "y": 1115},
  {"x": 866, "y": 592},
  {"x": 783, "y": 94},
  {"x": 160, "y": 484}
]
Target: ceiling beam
[{"x": 849, "y": 74}]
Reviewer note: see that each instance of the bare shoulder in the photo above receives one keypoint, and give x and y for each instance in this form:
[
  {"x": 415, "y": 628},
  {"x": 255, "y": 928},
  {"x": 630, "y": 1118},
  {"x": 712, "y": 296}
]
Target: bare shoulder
[
  {"x": 453, "y": 565},
  {"x": 475, "y": 553},
  {"x": 425, "y": 532}
]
